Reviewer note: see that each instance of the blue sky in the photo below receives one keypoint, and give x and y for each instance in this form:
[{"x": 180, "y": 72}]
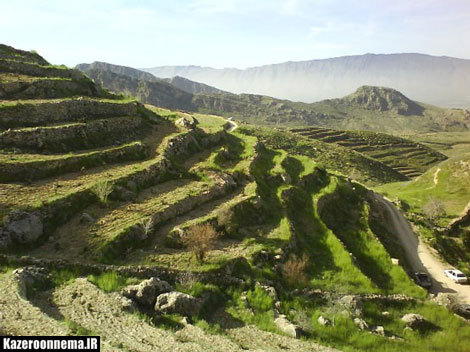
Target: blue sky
[{"x": 232, "y": 33}]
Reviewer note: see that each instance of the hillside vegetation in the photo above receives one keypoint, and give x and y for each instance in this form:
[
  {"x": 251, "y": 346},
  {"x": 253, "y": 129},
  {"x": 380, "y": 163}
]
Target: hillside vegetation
[
  {"x": 259, "y": 232},
  {"x": 368, "y": 108},
  {"x": 404, "y": 156}
]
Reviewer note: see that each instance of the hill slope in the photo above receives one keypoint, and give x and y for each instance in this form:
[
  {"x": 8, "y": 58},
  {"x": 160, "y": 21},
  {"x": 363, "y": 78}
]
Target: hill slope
[
  {"x": 115, "y": 193},
  {"x": 369, "y": 108},
  {"x": 442, "y": 81}
]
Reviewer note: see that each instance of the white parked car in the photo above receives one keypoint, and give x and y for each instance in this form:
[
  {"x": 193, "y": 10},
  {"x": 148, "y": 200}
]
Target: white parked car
[{"x": 456, "y": 275}]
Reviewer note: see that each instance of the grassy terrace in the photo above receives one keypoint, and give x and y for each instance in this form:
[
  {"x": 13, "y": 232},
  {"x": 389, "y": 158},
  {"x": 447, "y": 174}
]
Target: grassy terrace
[
  {"x": 404, "y": 156},
  {"x": 33, "y": 196}
]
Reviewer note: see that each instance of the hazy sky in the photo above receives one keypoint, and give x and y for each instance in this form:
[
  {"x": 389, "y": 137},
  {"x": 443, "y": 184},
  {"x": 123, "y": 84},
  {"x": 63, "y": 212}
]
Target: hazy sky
[{"x": 232, "y": 33}]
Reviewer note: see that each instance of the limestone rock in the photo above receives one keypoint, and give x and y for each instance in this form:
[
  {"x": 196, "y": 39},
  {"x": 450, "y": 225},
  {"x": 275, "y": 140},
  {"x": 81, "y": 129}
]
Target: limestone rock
[
  {"x": 287, "y": 327},
  {"x": 188, "y": 122},
  {"x": 177, "y": 303},
  {"x": 379, "y": 330},
  {"x": 361, "y": 324},
  {"x": 352, "y": 304},
  {"x": 323, "y": 321},
  {"x": 147, "y": 291},
  {"x": 414, "y": 320},
  {"x": 23, "y": 227}
]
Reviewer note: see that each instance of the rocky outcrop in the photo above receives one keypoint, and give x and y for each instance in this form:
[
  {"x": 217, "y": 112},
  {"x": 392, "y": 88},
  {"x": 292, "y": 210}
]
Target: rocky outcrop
[
  {"x": 22, "y": 227},
  {"x": 178, "y": 303},
  {"x": 147, "y": 291},
  {"x": 189, "y": 122},
  {"x": 383, "y": 99},
  {"x": 287, "y": 327},
  {"x": 414, "y": 321}
]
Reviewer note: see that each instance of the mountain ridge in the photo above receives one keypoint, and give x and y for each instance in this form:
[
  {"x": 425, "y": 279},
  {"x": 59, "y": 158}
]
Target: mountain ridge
[{"x": 438, "y": 80}]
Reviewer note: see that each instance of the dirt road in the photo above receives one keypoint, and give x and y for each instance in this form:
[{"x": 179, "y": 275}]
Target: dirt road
[{"x": 420, "y": 256}]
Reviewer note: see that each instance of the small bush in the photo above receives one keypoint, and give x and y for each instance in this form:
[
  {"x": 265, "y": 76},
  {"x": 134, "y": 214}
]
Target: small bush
[
  {"x": 102, "y": 190},
  {"x": 148, "y": 226},
  {"x": 293, "y": 271},
  {"x": 433, "y": 209},
  {"x": 200, "y": 239}
]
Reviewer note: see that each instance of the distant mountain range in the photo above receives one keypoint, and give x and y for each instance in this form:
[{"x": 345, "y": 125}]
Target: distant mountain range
[
  {"x": 368, "y": 108},
  {"x": 442, "y": 81}
]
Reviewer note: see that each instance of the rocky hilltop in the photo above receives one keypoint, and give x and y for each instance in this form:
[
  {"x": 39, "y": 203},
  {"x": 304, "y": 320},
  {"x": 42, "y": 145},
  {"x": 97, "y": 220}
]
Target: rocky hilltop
[{"x": 383, "y": 99}]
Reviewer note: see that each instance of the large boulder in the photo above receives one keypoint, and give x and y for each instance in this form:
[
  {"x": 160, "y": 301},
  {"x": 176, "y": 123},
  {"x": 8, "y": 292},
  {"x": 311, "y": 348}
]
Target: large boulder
[
  {"x": 178, "y": 303},
  {"x": 147, "y": 291},
  {"x": 23, "y": 227},
  {"x": 287, "y": 327},
  {"x": 188, "y": 122},
  {"x": 414, "y": 320}
]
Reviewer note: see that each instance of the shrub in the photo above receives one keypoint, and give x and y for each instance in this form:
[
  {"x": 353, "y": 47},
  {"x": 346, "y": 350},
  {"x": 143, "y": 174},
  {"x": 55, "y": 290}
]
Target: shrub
[
  {"x": 200, "y": 239},
  {"x": 433, "y": 209},
  {"x": 148, "y": 226},
  {"x": 102, "y": 190},
  {"x": 293, "y": 271}
]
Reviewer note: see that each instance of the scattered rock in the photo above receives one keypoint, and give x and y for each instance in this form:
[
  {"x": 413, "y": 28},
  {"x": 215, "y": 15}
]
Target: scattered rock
[
  {"x": 448, "y": 300},
  {"x": 287, "y": 327},
  {"x": 270, "y": 291},
  {"x": 286, "y": 178},
  {"x": 23, "y": 227},
  {"x": 126, "y": 303},
  {"x": 188, "y": 122},
  {"x": 323, "y": 321},
  {"x": 86, "y": 218},
  {"x": 379, "y": 330},
  {"x": 147, "y": 291},
  {"x": 177, "y": 303},
  {"x": 352, "y": 303},
  {"x": 185, "y": 321},
  {"x": 361, "y": 324},
  {"x": 414, "y": 320}
]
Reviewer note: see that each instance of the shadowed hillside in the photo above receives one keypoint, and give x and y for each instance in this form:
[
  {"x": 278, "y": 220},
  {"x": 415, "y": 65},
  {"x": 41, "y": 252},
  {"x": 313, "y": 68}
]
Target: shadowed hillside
[{"x": 158, "y": 229}]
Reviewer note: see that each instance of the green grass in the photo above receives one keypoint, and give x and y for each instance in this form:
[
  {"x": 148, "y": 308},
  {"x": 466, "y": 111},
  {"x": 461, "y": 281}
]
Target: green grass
[
  {"x": 453, "y": 187},
  {"x": 370, "y": 255},
  {"x": 112, "y": 281}
]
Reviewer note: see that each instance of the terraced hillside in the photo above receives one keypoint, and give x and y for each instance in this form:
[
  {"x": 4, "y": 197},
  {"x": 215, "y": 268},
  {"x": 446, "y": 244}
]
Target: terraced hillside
[
  {"x": 406, "y": 157},
  {"x": 103, "y": 198}
]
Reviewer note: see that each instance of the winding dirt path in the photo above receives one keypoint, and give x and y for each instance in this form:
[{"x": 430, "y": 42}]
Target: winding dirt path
[
  {"x": 436, "y": 174},
  {"x": 420, "y": 256}
]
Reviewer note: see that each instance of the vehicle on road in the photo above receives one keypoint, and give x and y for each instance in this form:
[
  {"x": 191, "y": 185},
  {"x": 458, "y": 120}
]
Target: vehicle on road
[
  {"x": 456, "y": 275},
  {"x": 423, "y": 280}
]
